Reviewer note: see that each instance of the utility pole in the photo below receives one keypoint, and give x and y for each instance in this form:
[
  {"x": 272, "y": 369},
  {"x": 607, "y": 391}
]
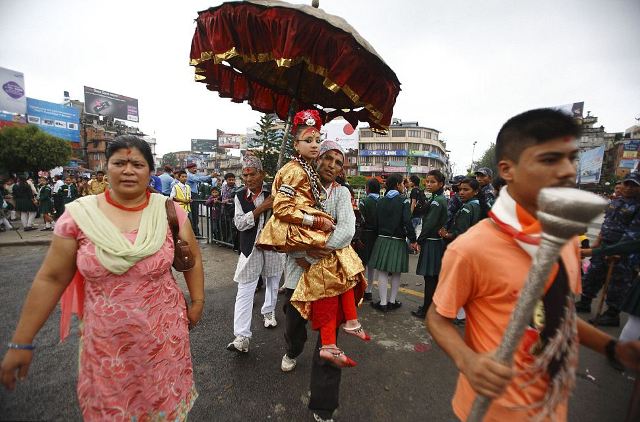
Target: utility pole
[{"x": 473, "y": 150}]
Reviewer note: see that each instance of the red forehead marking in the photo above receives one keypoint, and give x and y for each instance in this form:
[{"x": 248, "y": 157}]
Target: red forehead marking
[{"x": 567, "y": 139}]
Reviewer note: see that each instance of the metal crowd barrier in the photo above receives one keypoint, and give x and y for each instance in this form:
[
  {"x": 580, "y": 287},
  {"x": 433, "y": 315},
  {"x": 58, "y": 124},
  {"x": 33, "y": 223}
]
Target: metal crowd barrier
[{"x": 219, "y": 231}]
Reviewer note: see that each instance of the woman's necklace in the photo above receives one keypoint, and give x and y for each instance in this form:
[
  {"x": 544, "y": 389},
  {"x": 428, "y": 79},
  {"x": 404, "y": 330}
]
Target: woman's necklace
[{"x": 111, "y": 201}]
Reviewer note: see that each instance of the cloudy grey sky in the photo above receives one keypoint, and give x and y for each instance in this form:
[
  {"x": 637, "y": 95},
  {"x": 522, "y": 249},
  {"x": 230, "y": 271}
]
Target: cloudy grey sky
[{"x": 465, "y": 66}]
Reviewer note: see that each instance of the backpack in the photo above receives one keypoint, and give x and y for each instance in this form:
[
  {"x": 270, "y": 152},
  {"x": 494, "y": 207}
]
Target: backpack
[{"x": 422, "y": 205}]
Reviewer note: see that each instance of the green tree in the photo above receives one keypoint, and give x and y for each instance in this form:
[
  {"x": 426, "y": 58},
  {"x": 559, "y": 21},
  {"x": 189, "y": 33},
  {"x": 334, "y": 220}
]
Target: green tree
[
  {"x": 170, "y": 159},
  {"x": 488, "y": 159},
  {"x": 27, "y": 148},
  {"x": 270, "y": 139},
  {"x": 357, "y": 182}
]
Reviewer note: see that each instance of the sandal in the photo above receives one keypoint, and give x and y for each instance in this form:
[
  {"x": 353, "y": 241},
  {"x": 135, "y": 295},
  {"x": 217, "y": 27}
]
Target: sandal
[
  {"x": 358, "y": 332},
  {"x": 336, "y": 357}
]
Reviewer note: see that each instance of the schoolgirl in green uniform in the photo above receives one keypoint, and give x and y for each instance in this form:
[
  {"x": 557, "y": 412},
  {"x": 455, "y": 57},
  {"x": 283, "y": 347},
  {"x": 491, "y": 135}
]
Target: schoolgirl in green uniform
[
  {"x": 431, "y": 244},
  {"x": 45, "y": 202},
  {"x": 474, "y": 209},
  {"x": 390, "y": 257}
]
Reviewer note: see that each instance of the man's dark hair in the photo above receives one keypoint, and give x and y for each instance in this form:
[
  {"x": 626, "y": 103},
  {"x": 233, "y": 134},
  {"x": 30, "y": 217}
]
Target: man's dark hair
[
  {"x": 168, "y": 169},
  {"x": 180, "y": 172},
  {"x": 415, "y": 179},
  {"x": 373, "y": 186},
  {"x": 393, "y": 181},
  {"x": 229, "y": 175},
  {"x": 533, "y": 127},
  {"x": 130, "y": 141},
  {"x": 100, "y": 172},
  {"x": 437, "y": 174}
]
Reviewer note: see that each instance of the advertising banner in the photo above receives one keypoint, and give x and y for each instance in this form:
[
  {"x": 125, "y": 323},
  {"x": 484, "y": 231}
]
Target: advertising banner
[
  {"x": 55, "y": 119},
  {"x": 104, "y": 103},
  {"x": 342, "y": 132},
  {"x": 12, "y": 94},
  {"x": 370, "y": 168},
  {"x": 590, "y": 165},
  {"x": 204, "y": 145},
  {"x": 395, "y": 169},
  {"x": 573, "y": 109},
  {"x": 383, "y": 152},
  {"x": 10, "y": 119}
]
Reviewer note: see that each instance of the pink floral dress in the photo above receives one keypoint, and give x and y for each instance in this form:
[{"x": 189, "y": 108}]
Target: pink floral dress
[{"x": 135, "y": 359}]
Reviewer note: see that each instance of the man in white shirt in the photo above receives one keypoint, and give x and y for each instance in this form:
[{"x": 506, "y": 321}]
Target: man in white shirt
[{"x": 253, "y": 206}]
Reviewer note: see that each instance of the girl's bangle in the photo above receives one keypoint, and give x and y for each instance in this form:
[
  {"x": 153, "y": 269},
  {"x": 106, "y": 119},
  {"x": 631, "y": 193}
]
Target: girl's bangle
[
  {"x": 197, "y": 301},
  {"x": 21, "y": 346}
]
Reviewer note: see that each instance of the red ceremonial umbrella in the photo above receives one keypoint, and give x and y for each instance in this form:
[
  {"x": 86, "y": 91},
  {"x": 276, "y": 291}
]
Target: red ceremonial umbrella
[{"x": 281, "y": 57}]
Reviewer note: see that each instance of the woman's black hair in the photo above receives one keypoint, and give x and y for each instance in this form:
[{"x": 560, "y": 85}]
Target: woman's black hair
[
  {"x": 438, "y": 175},
  {"x": 484, "y": 206},
  {"x": 415, "y": 180},
  {"x": 373, "y": 185},
  {"x": 393, "y": 181},
  {"x": 229, "y": 175},
  {"x": 130, "y": 141}
]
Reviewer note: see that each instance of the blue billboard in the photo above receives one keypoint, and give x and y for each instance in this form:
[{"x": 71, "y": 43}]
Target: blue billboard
[{"x": 55, "y": 119}]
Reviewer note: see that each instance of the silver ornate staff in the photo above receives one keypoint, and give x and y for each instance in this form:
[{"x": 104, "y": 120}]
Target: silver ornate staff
[{"x": 563, "y": 213}]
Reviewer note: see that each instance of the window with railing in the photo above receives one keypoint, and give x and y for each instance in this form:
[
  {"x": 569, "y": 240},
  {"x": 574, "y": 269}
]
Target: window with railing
[
  {"x": 366, "y": 133},
  {"x": 413, "y": 133},
  {"x": 398, "y": 133}
]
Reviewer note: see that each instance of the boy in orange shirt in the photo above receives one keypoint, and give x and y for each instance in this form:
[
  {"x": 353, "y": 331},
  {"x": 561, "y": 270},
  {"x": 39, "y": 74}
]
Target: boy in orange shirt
[{"x": 534, "y": 150}]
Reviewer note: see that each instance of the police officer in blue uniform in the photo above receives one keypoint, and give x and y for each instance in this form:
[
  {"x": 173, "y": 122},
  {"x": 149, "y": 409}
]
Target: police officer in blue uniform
[
  {"x": 484, "y": 176},
  {"x": 617, "y": 225}
]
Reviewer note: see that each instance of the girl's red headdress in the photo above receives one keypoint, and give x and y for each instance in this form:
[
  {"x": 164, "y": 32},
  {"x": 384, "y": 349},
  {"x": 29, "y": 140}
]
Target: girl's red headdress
[{"x": 309, "y": 118}]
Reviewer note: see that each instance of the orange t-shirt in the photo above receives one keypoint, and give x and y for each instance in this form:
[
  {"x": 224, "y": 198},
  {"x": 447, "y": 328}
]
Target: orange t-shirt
[{"x": 484, "y": 271}]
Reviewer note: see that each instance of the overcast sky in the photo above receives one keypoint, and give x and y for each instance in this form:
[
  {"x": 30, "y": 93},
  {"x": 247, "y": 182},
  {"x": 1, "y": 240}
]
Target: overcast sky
[{"x": 465, "y": 66}]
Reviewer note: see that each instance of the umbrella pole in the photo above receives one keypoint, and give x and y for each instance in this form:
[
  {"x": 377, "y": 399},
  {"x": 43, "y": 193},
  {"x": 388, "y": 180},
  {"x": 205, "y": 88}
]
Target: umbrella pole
[{"x": 287, "y": 129}]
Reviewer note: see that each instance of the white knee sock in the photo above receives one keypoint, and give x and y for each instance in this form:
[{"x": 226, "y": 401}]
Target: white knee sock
[
  {"x": 24, "y": 219},
  {"x": 395, "y": 285},
  {"x": 30, "y": 218},
  {"x": 370, "y": 272},
  {"x": 631, "y": 330},
  {"x": 383, "y": 280}
]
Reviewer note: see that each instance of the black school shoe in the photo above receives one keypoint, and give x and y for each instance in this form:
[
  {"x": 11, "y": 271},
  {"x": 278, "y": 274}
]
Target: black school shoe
[
  {"x": 610, "y": 318},
  {"x": 419, "y": 313},
  {"x": 394, "y": 305},
  {"x": 378, "y": 307},
  {"x": 368, "y": 297}
]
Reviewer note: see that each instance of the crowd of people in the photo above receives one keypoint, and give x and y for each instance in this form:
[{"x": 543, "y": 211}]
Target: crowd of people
[{"x": 476, "y": 236}]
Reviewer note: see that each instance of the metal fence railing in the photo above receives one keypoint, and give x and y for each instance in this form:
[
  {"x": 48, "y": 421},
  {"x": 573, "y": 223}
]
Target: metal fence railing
[{"x": 216, "y": 223}]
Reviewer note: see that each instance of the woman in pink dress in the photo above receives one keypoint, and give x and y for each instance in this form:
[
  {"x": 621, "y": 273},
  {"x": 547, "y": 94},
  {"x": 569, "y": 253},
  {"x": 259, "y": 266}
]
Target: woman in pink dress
[{"x": 135, "y": 359}]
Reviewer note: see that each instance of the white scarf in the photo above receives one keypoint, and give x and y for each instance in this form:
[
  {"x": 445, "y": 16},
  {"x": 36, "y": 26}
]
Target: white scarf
[
  {"x": 114, "y": 251},
  {"x": 514, "y": 220}
]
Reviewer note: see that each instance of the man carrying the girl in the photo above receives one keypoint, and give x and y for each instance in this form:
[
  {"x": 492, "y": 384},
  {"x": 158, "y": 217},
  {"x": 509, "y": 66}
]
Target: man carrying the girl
[{"x": 534, "y": 150}]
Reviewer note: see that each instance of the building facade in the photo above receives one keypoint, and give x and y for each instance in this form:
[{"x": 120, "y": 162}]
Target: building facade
[{"x": 406, "y": 148}]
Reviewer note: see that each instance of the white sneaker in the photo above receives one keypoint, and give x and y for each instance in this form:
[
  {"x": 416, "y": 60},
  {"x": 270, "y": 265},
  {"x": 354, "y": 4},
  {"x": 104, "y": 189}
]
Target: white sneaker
[
  {"x": 317, "y": 418},
  {"x": 239, "y": 344},
  {"x": 288, "y": 364},
  {"x": 270, "y": 320}
]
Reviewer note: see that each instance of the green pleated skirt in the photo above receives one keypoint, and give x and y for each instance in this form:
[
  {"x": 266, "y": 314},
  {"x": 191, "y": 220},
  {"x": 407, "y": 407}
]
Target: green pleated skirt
[
  {"x": 390, "y": 255},
  {"x": 46, "y": 206},
  {"x": 430, "y": 259},
  {"x": 368, "y": 238}
]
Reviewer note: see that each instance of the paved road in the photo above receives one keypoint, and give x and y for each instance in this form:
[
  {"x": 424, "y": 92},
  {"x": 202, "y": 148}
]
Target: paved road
[{"x": 401, "y": 375}]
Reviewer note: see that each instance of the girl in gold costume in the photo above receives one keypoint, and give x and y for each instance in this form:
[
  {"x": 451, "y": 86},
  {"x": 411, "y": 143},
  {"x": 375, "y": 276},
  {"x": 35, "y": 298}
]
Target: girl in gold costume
[{"x": 329, "y": 289}]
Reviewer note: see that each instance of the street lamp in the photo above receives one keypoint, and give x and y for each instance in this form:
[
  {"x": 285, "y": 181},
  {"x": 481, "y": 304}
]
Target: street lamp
[{"x": 473, "y": 150}]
